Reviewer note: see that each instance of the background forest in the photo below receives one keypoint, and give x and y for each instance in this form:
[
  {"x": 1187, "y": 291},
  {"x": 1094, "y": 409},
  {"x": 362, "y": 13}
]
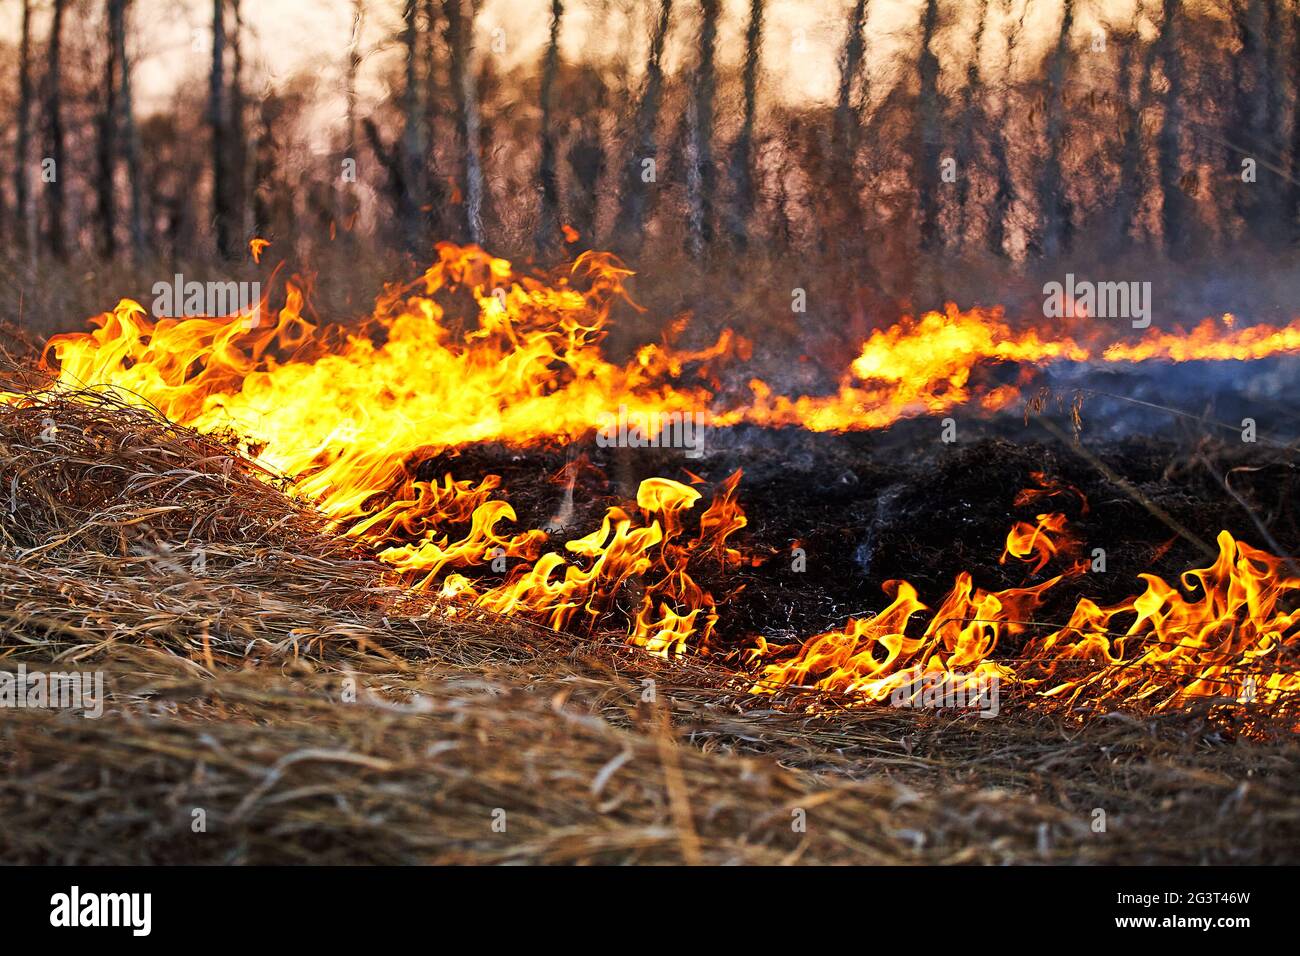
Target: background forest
[{"x": 968, "y": 149}]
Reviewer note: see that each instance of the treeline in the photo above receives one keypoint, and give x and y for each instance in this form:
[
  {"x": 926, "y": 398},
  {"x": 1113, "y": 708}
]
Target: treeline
[{"x": 1175, "y": 129}]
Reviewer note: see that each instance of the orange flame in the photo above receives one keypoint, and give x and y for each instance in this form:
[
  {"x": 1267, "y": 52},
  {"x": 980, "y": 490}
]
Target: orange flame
[{"x": 348, "y": 414}]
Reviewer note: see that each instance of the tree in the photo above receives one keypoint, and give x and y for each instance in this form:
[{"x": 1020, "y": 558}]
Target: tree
[
  {"x": 548, "y": 221},
  {"x": 742, "y": 151},
  {"x": 221, "y": 204},
  {"x": 1004, "y": 189},
  {"x": 1129, "y": 187},
  {"x": 235, "y": 132},
  {"x": 972, "y": 117},
  {"x": 1054, "y": 207},
  {"x": 106, "y": 150},
  {"x": 929, "y": 119},
  {"x": 55, "y": 135},
  {"x": 847, "y": 220},
  {"x": 460, "y": 42},
  {"x": 1173, "y": 205},
  {"x": 700, "y": 173},
  {"x": 414, "y": 142},
  {"x": 126, "y": 121},
  {"x": 22, "y": 172},
  {"x": 630, "y": 225},
  {"x": 1293, "y": 205}
]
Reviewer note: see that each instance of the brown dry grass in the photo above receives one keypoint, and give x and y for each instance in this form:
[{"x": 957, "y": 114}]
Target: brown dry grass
[{"x": 230, "y": 689}]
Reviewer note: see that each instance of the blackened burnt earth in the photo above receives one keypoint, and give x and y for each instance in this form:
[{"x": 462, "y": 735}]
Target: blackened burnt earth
[{"x": 866, "y": 508}]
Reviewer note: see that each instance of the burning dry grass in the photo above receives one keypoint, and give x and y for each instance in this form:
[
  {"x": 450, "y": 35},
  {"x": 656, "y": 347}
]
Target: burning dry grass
[{"x": 233, "y": 627}]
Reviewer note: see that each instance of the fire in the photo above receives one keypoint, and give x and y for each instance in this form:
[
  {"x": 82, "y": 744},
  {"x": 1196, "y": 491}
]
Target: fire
[
  {"x": 1234, "y": 635},
  {"x": 1051, "y": 538},
  {"x": 475, "y": 351},
  {"x": 640, "y": 557},
  {"x": 1037, "y": 544}
]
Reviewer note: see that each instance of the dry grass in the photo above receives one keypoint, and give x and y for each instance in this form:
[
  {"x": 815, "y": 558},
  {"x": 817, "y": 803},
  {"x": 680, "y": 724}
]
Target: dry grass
[{"x": 317, "y": 712}]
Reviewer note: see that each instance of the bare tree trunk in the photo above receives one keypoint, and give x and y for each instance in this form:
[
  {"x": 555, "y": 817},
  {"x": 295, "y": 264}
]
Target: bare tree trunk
[
  {"x": 351, "y": 71},
  {"x": 1246, "y": 126},
  {"x": 346, "y": 201},
  {"x": 586, "y": 159},
  {"x": 929, "y": 124},
  {"x": 265, "y": 158},
  {"x": 972, "y": 116},
  {"x": 54, "y": 119},
  {"x": 413, "y": 145},
  {"x": 1173, "y": 209},
  {"x": 630, "y": 225},
  {"x": 1293, "y": 205},
  {"x": 1129, "y": 188},
  {"x": 106, "y": 147},
  {"x": 22, "y": 184},
  {"x": 1272, "y": 139},
  {"x": 847, "y": 121},
  {"x": 217, "y": 122},
  {"x": 126, "y": 124},
  {"x": 701, "y": 175},
  {"x": 1004, "y": 192},
  {"x": 548, "y": 222},
  {"x": 460, "y": 41},
  {"x": 1054, "y": 205},
  {"x": 849, "y": 227},
  {"x": 235, "y": 132},
  {"x": 742, "y": 153}
]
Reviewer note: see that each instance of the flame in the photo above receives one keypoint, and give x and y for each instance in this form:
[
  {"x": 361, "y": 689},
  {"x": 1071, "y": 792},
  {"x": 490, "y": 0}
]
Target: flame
[
  {"x": 1050, "y": 538},
  {"x": 1231, "y": 637},
  {"x": 637, "y": 556},
  {"x": 475, "y": 351},
  {"x": 1037, "y": 544}
]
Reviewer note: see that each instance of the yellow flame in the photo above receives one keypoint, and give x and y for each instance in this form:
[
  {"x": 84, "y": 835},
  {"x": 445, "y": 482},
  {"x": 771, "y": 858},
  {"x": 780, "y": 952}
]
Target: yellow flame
[{"x": 348, "y": 414}]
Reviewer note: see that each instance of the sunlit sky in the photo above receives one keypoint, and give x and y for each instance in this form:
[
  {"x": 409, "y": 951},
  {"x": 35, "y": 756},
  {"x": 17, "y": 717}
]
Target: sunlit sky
[{"x": 171, "y": 41}]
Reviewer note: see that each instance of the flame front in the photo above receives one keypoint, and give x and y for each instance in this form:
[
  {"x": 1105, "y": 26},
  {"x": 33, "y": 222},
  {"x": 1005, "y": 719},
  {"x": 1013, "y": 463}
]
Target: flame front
[{"x": 475, "y": 352}]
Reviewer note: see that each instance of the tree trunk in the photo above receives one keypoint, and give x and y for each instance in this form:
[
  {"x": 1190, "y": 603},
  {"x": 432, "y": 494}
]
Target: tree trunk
[
  {"x": 1293, "y": 206},
  {"x": 846, "y": 114},
  {"x": 106, "y": 147},
  {"x": 1173, "y": 209},
  {"x": 848, "y": 225},
  {"x": 22, "y": 184},
  {"x": 54, "y": 119},
  {"x": 630, "y": 225},
  {"x": 1054, "y": 207},
  {"x": 742, "y": 154},
  {"x": 235, "y": 133},
  {"x": 126, "y": 124},
  {"x": 413, "y": 146},
  {"x": 1004, "y": 191},
  {"x": 929, "y": 122},
  {"x": 972, "y": 117},
  {"x": 217, "y": 122},
  {"x": 548, "y": 221},
  {"x": 701, "y": 175},
  {"x": 460, "y": 41}
]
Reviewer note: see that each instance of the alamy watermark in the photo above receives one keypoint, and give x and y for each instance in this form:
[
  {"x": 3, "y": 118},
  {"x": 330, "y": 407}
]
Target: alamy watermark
[
  {"x": 70, "y": 690},
  {"x": 180, "y": 299},
  {"x": 1099, "y": 300},
  {"x": 951, "y": 691},
  {"x": 133, "y": 911},
  {"x": 629, "y": 429}
]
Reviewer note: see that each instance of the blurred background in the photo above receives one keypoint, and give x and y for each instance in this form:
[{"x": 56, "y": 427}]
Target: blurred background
[{"x": 883, "y": 155}]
